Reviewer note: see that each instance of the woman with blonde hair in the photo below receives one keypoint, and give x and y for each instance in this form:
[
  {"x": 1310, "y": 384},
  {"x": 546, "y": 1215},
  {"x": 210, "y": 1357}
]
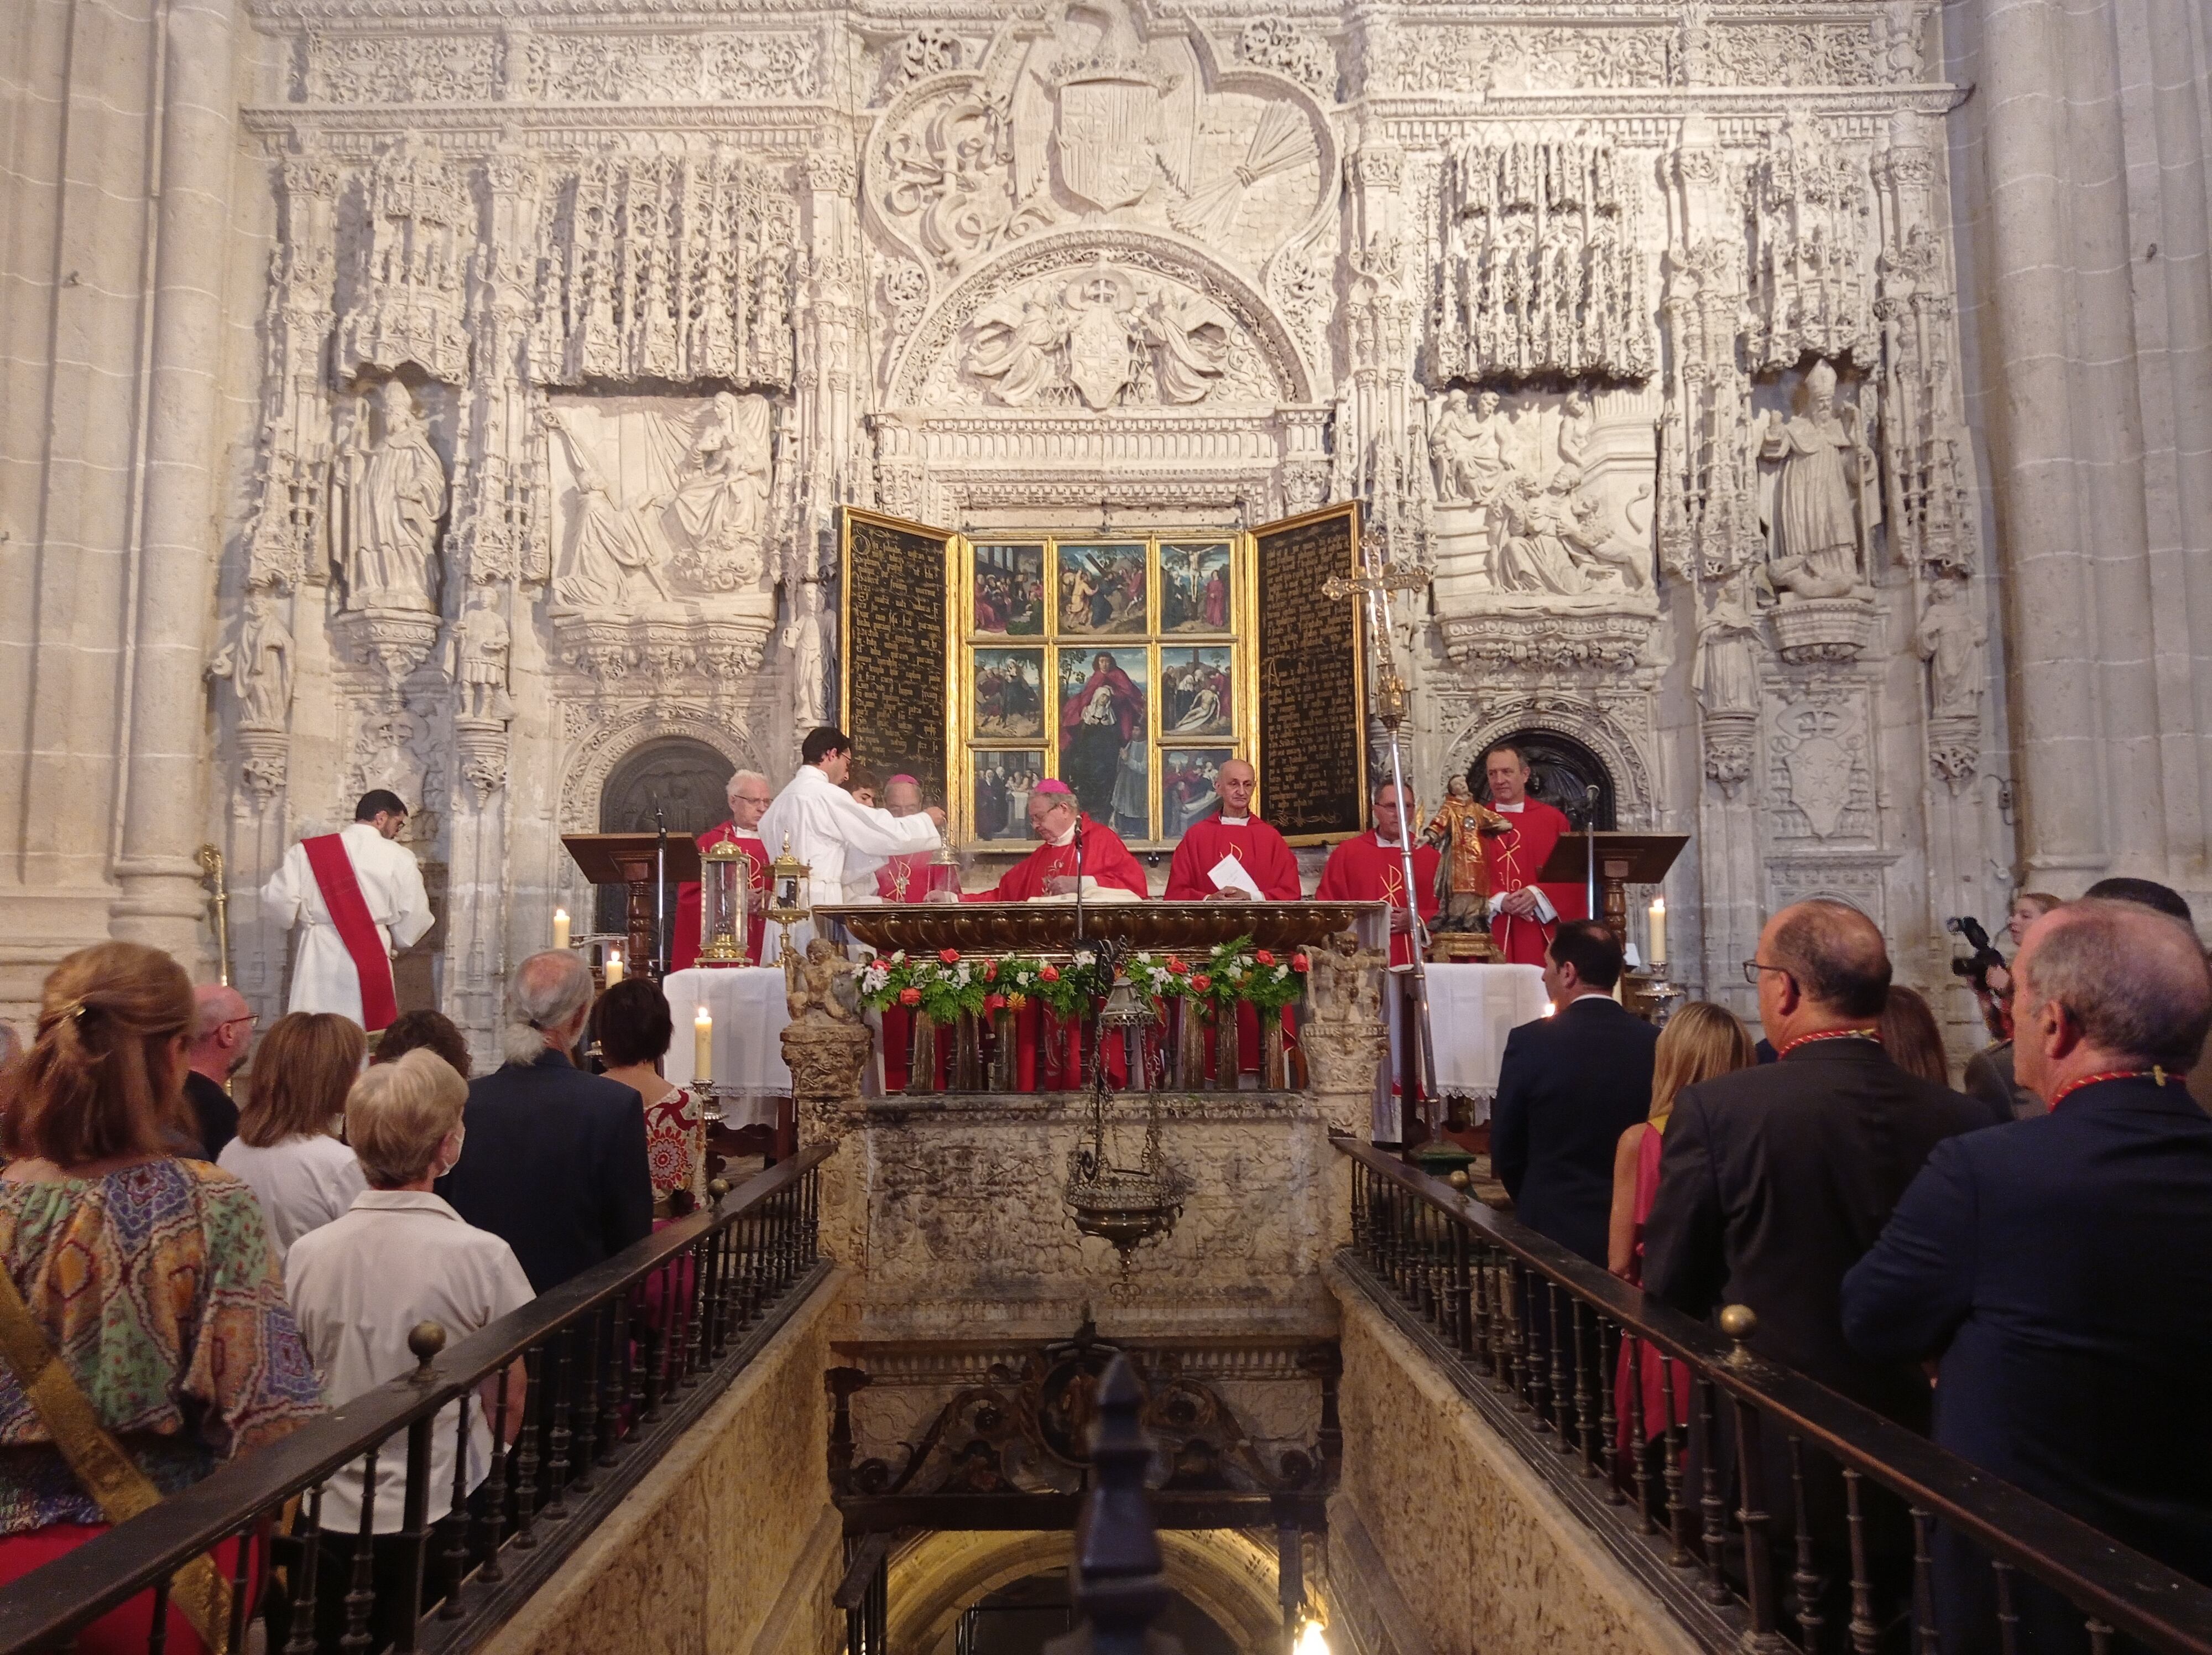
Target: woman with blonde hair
[
  {"x": 93, "y": 1209},
  {"x": 1700, "y": 1041},
  {"x": 287, "y": 1146}
]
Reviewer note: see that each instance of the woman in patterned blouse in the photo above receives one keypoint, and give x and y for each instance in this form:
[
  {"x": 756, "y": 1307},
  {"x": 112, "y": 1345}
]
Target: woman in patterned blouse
[
  {"x": 632, "y": 1024},
  {"x": 151, "y": 1277}
]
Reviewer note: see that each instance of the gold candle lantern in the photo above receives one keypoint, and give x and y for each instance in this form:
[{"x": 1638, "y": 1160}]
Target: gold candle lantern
[
  {"x": 722, "y": 889},
  {"x": 788, "y": 897}
]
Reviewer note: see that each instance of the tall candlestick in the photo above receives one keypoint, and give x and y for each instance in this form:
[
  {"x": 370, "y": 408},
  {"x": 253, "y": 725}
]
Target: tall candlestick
[
  {"x": 702, "y": 1046},
  {"x": 614, "y": 966},
  {"x": 1658, "y": 917},
  {"x": 560, "y": 927}
]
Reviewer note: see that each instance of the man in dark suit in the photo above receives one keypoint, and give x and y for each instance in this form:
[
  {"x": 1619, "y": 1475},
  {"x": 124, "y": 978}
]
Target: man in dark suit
[
  {"x": 1775, "y": 1179},
  {"x": 2062, "y": 1266},
  {"x": 553, "y": 1162},
  {"x": 1570, "y": 1085}
]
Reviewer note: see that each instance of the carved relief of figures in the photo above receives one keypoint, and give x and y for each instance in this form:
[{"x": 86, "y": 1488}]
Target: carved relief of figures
[
  {"x": 1467, "y": 447},
  {"x": 1950, "y": 639},
  {"x": 389, "y": 498},
  {"x": 807, "y": 636},
  {"x": 1827, "y": 494},
  {"x": 259, "y": 665},
  {"x": 721, "y": 506},
  {"x": 480, "y": 649},
  {"x": 1546, "y": 541},
  {"x": 1105, "y": 338},
  {"x": 612, "y": 562}
]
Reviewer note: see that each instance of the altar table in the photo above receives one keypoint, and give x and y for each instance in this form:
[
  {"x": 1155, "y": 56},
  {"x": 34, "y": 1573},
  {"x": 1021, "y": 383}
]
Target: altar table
[
  {"x": 1472, "y": 1008},
  {"x": 748, "y": 1006}
]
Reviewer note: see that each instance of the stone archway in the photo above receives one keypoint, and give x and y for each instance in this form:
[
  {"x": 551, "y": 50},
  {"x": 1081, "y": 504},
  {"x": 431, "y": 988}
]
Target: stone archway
[
  {"x": 932, "y": 1580},
  {"x": 684, "y": 779}
]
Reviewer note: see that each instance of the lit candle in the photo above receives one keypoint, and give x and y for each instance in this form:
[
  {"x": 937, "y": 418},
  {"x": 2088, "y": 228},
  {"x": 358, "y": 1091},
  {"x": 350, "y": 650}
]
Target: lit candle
[
  {"x": 1658, "y": 917},
  {"x": 614, "y": 966},
  {"x": 560, "y": 927},
  {"x": 702, "y": 1046}
]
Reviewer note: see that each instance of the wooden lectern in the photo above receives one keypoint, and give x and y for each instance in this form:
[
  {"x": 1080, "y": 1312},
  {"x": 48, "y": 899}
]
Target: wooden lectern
[
  {"x": 634, "y": 859},
  {"x": 1618, "y": 860}
]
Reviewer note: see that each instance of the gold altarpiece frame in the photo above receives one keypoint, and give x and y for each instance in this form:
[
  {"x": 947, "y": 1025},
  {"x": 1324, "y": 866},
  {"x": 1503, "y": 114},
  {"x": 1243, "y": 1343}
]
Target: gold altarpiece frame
[{"x": 984, "y": 663}]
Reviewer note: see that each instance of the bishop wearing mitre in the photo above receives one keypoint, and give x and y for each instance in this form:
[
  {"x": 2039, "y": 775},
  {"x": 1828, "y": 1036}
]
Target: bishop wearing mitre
[
  {"x": 1110, "y": 873},
  {"x": 748, "y": 795},
  {"x": 356, "y": 896},
  {"x": 842, "y": 841},
  {"x": 1232, "y": 853},
  {"x": 1524, "y": 915}
]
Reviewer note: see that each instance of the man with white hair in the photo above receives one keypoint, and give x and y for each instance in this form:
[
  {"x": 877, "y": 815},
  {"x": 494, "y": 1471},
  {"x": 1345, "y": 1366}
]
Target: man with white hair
[
  {"x": 555, "y": 1161},
  {"x": 749, "y": 795},
  {"x": 2061, "y": 1266}
]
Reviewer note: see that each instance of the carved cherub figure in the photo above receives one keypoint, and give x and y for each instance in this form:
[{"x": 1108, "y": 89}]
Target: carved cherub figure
[
  {"x": 818, "y": 988},
  {"x": 1344, "y": 984}
]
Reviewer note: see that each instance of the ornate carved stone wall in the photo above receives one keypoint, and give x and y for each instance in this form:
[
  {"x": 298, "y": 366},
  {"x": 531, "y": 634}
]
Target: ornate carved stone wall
[{"x": 1633, "y": 325}]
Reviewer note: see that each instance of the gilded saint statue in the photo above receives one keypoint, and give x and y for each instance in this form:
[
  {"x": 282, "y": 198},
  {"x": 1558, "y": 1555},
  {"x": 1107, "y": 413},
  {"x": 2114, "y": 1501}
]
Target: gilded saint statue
[{"x": 1462, "y": 876}]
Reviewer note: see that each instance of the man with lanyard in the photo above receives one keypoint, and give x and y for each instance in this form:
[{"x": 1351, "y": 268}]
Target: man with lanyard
[
  {"x": 356, "y": 896},
  {"x": 1524, "y": 915}
]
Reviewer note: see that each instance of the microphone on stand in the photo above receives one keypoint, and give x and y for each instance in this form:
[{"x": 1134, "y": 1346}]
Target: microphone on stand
[
  {"x": 1079, "y": 871},
  {"x": 660, "y": 889},
  {"x": 1589, "y": 839}
]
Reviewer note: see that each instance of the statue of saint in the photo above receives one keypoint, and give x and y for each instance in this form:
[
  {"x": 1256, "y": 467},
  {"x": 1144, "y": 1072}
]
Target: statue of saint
[
  {"x": 1726, "y": 671},
  {"x": 806, "y": 636},
  {"x": 1949, "y": 638},
  {"x": 390, "y": 554},
  {"x": 259, "y": 665},
  {"x": 1462, "y": 875},
  {"x": 1818, "y": 540},
  {"x": 482, "y": 644}
]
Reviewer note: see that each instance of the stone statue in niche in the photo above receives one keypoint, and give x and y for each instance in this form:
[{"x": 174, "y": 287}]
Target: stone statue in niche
[
  {"x": 481, "y": 646},
  {"x": 1826, "y": 495},
  {"x": 1726, "y": 670},
  {"x": 393, "y": 496},
  {"x": 260, "y": 664},
  {"x": 806, "y": 636},
  {"x": 721, "y": 506},
  {"x": 612, "y": 560},
  {"x": 1467, "y": 447},
  {"x": 1949, "y": 640}
]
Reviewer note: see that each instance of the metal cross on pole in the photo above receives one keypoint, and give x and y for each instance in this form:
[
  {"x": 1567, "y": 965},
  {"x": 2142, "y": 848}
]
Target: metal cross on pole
[{"x": 1376, "y": 581}]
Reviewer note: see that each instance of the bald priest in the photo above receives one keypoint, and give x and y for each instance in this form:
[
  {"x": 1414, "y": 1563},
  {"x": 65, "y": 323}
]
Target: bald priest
[{"x": 1233, "y": 855}]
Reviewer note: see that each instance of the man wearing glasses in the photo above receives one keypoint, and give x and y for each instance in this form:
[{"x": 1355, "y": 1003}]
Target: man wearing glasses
[{"x": 223, "y": 1032}]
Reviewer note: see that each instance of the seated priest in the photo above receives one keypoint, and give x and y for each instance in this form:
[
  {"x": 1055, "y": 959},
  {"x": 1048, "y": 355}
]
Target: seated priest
[
  {"x": 1524, "y": 915},
  {"x": 748, "y": 795},
  {"x": 1110, "y": 873},
  {"x": 1233, "y": 856},
  {"x": 1373, "y": 868}
]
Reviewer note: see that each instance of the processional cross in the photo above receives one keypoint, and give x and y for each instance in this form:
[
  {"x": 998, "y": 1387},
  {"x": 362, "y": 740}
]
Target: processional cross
[{"x": 1376, "y": 580}]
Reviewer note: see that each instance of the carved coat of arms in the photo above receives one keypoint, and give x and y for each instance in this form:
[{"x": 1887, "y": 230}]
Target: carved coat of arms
[{"x": 1104, "y": 135}]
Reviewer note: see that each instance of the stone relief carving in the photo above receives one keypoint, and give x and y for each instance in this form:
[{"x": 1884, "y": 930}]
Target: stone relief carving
[
  {"x": 1826, "y": 495},
  {"x": 481, "y": 643},
  {"x": 1810, "y": 211},
  {"x": 1106, "y": 336},
  {"x": 387, "y": 501},
  {"x": 260, "y": 664},
  {"x": 1541, "y": 273},
  {"x": 405, "y": 291},
  {"x": 1819, "y": 748},
  {"x": 708, "y": 68},
  {"x": 347, "y": 68},
  {"x": 1277, "y": 43},
  {"x": 809, "y": 636}
]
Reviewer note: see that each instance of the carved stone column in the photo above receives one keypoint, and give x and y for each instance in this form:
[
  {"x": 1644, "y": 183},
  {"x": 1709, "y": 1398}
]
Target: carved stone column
[{"x": 826, "y": 1054}]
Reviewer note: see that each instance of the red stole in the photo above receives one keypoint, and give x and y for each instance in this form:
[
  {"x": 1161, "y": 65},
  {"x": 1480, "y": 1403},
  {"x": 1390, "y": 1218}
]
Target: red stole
[
  {"x": 341, "y": 888},
  {"x": 1253, "y": 842},
  {"x": 1365, "y": 869},
  {"x": 1515, "y": 857}
]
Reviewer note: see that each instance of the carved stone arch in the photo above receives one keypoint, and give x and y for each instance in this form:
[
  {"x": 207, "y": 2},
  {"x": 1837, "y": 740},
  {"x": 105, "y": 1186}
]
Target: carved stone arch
[
  {"x": 933, "y": 1579},
  {"x": 1146, "y": 251},
  {"x": 1595, "y": 728},
  {"x": 585, "y": 774}
]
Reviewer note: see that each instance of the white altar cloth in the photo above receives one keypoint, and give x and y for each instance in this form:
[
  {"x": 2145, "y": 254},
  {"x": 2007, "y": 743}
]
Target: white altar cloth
[
  {"x": 748, "y": 1006},
  {"x": 1472, "y": 1008}
]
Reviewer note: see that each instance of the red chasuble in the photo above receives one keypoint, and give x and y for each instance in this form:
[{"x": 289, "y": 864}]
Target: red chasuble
[
  {"x": 1515, "y": 859},
  {"x": 905, "y": 878},
  {"x": 683, "y": 944},
  {"x": 1105, "y": 859},
  {"x": 1367, "y": 870},
  {"x": 1252, "y": 841}
]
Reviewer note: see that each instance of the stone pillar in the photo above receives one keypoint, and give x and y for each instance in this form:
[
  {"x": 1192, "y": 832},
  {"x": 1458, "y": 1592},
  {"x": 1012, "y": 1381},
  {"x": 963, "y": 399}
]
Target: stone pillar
[
  {"x": 826, "y": 1046},
  {"x": 165, "y": 788}
]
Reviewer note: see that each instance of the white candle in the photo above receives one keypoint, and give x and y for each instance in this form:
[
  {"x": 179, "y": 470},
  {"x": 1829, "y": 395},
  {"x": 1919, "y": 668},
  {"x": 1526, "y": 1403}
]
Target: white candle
[
  {"x": 1658, "y": 917},
  {"x": 702, "y": 1046},
  {"x": 560, "y": 927},
  {"x": 614, "y": 966}
]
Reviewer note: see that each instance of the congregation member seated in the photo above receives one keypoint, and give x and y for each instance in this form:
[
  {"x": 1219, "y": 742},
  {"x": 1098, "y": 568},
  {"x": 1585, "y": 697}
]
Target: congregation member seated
[
  {"x": 1568, "y": 1086},
  {"x": 1911, "y": 1035},
  {"x": 222, "y": 1033},
  {"x": 287, "y": 1146},
  {"x": 413, "y": 1031},
  {"x": 93, "y": 1207},
  {"x": 555, "y": 1162},
  {"x": 399, "y": 1257},
  {"x": 2060, "y": 1268},
  {"x": 633, "y": 1027}
]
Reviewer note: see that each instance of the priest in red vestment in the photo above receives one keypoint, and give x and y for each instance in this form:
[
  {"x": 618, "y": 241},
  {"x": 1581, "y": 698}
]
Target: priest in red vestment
[
  {"x": 1049, "y": 870},
  {"x": 906, "y": 879},
  {"x": 1524, "y": 915},
  {"x": 749, "y": 795},
  {"x": 1234, "y": 834}
]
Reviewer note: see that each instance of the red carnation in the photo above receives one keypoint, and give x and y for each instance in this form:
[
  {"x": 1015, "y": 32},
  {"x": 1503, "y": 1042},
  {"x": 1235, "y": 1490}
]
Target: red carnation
[
  {"x": 1264, "y": 958},
  {"x": 990, "y": 971},
  {"x": 1201, "y": 982},
  {"x": 1300, "y": 963},
  {"x": 994, "y": 1002},
  {"x": 949, "y": 956},
  {"x": 1050, "y": 974},
  {"x": 1178, "y": 967},
  {"x": 909, "y": 996}
]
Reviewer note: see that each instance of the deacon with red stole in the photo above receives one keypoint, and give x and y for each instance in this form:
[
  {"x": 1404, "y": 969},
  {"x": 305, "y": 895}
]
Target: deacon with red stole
[
  {"x": 1235, "y": 835},
  {"x": 1110, "y": 873},
  {"x": 1373, "y": 868},
  {"x": 356, "y": 895},
  {"x": 749, "y": 795},
  {"x": 1524, "y": 915}
]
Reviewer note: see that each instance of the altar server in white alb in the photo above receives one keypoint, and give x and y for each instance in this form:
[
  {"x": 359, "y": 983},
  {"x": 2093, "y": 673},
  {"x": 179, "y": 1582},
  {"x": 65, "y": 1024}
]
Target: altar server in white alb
[
  {"x": 842, "y": 841},
  {"x": 356, "y": 897}
]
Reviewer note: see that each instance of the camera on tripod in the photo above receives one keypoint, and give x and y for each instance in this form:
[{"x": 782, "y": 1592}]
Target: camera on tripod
[{"x": 1974, "y": 966}]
